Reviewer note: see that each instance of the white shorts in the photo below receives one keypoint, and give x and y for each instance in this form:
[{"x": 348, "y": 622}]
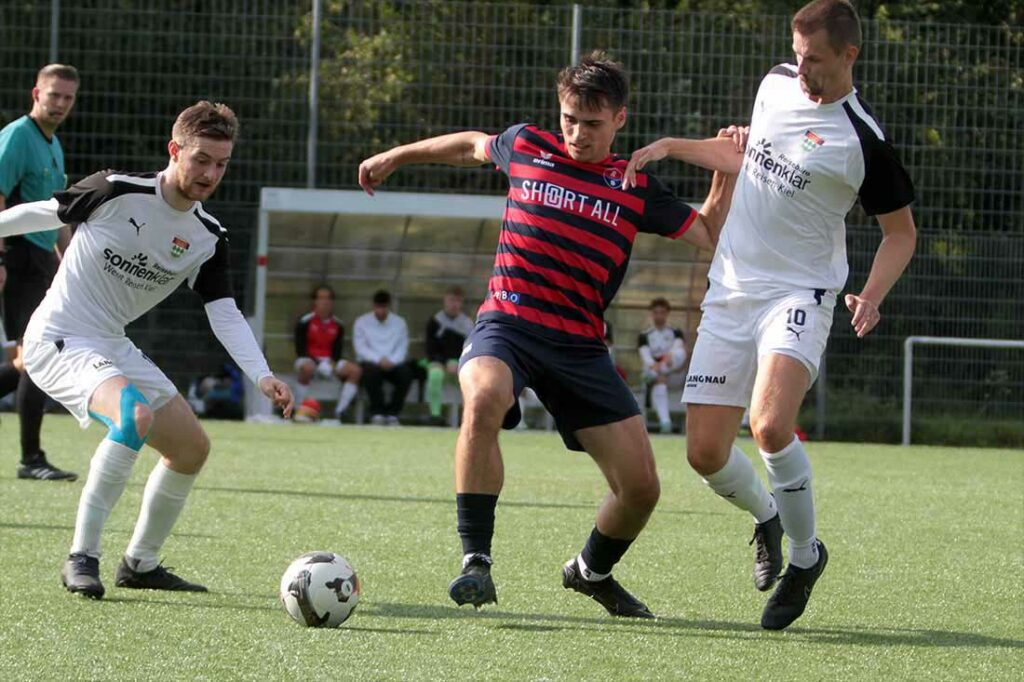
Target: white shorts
[
  {"x": 674, "y": 378},
  {"x": 70, "y": 373},
  {"x": 325, "y": 367},
  {"x": 736, "y": 330}
]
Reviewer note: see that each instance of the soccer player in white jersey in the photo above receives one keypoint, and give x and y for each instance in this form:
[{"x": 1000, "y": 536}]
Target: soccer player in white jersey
[
  {"x": 814, "y": 149},
  {"x": 137, "y": 238},
  {"x": 662, "y": 351}
]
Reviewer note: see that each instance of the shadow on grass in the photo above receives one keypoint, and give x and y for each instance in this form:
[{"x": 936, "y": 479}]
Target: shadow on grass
[
  {"x": 202, "y": 602},
  {"x": 546, "y": 622},
  {"x": 409, "y": 499},
  {"x": 45, "y": 526}
]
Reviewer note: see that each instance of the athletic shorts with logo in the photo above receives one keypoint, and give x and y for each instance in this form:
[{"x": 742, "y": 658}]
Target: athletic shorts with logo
[
  {"x": 737, "y": 329},
  {"x": 69, "y": 371},
  {"x": 576, "y": 382}
]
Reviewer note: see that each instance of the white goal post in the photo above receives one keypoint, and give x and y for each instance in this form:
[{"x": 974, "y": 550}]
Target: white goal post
[{"x": 908, "y": 364}]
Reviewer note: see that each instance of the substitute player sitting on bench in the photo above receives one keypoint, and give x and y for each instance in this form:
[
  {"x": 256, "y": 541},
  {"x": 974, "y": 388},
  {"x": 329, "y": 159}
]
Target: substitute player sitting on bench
[
  {"x": 319, "y": 338},
  {"x": 663, "y": 353}
]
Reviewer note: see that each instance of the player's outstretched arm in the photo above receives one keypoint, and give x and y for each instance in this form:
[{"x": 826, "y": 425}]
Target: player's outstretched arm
[
  {"x": 31, "y": 217},
  {"x": 899, "y": 238},
  {"x": 457, "y": 149},
  {"x": 717, "y": 154}
]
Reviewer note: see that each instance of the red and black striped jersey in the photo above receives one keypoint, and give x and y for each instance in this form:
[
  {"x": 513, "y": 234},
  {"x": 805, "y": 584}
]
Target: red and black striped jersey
[
  {"x": 567, "y": 233},
  {"x": 319, "y": 338}
]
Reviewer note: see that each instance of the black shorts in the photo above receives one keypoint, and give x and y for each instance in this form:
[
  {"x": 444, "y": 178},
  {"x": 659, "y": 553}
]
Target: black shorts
[
  {"x": 30, "y": 271},
  {"x": 577, "y": 383}
]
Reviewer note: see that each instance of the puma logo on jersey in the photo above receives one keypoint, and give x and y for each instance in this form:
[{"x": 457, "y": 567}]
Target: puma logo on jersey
[
  {"x": 138, "y": 226},
  {"x": 796, "y": 333}
]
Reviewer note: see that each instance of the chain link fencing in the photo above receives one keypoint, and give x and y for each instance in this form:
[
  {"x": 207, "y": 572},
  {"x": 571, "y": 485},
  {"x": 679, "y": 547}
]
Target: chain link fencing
[{"x": 951, "y": 97}]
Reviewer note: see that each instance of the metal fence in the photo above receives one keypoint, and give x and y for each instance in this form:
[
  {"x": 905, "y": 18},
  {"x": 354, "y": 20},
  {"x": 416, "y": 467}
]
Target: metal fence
[{"x": 951, "y": 96}]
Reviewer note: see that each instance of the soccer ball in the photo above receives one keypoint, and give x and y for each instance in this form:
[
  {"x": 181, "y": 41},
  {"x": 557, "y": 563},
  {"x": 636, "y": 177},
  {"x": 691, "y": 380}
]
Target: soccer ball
[{"x": 320, "y": 590}]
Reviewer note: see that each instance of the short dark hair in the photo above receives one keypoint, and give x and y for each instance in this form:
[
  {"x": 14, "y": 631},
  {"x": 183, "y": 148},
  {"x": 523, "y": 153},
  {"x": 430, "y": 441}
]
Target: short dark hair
[
  {"x": 456, "y": 290},
  {"x": 660, "y": 302},
  {"x": 596, "y": 81},
  {"x": 62, "y": 71},
  {"x": 319, "y": 288},
  {"x": 382, "y": 297},
  {"x": 215, "y": 121},
  {"x": 837, "y": 17}
]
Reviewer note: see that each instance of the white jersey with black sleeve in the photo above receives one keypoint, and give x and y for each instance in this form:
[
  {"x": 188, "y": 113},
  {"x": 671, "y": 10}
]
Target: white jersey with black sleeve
[
  {"x": 130, "y": 250},
  {"x": 806, "y": 165},
  {"x": 666, "y": 343}
]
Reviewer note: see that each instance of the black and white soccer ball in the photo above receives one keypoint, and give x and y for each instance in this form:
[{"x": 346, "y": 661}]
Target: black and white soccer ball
[{"x": 320, "y": 590}]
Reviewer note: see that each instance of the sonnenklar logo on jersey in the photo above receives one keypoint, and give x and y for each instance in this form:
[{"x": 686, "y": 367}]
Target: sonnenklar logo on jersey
[
  {"x": 812, "y": 141},
  {"x": 135, "y": 271},
  {"x": 178, "y": 247},
  {"x": 776, "y": 169}
]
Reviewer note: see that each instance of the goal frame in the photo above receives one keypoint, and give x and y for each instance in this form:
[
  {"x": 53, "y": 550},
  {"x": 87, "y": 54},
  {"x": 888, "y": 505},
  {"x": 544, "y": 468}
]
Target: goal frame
[{"x": 908, "y": 364}]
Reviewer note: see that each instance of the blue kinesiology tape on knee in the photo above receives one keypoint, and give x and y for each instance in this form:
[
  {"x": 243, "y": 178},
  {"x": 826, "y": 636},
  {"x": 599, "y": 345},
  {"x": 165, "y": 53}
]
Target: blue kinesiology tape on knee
[{"x": 125, "y": 434}]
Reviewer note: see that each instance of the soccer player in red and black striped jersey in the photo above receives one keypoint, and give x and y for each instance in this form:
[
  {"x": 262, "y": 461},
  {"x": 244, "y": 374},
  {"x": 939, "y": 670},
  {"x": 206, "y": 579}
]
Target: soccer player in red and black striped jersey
[{"x": 565, "y": 241}]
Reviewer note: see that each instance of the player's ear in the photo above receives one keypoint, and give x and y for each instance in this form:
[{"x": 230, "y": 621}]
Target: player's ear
[
  {"x": 850, "y": 54},
  {"x": 35, "y": 94},
  {"x": 620, "y": 118},
  {"x": 173, "y": 150}
]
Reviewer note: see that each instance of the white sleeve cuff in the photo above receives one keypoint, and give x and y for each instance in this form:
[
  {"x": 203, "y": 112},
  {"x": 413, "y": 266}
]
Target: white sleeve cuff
[{"x": 235, "y": 335}]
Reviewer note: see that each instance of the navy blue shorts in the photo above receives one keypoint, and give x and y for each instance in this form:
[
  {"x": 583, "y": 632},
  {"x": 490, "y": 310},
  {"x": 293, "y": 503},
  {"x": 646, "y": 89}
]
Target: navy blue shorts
[{"x": 577, "y": 383}]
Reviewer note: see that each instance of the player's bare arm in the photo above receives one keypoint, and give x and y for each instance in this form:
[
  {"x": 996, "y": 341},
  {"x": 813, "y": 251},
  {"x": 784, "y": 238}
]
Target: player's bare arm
[
  {"x": 707, "y": 227},
  {"x": 899, "y": 238},
  {"x": 456, "y": 149},
  {"x": 717, "y": 154}
]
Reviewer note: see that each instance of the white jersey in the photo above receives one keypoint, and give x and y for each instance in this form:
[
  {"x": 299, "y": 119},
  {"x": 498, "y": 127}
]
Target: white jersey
[
  {"x": 129, "y": 251},
  {"x": 806, "y": 164},
  {"x": 666, "y": 344}
]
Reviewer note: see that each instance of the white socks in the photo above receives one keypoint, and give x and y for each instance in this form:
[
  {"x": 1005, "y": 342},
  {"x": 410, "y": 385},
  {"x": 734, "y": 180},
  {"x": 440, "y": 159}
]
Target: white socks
[
  {"x": 162, "y": 502},
  {"x": 659, "y": 396},
  {"x": 348, "y": 392},
  {"x": 789, "y": 472},
  {"x": 738, "y": 483},
  {"x": 109, "y": 471}
]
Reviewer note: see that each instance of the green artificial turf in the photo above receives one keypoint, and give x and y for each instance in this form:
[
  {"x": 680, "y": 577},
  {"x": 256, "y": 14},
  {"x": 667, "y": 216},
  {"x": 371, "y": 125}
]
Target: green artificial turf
[{"x": 925, "y": 579}]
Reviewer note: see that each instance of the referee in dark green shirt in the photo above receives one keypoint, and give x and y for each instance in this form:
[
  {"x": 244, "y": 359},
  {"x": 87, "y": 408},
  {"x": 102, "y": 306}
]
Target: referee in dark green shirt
[{"x": 32, "y": 169}]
